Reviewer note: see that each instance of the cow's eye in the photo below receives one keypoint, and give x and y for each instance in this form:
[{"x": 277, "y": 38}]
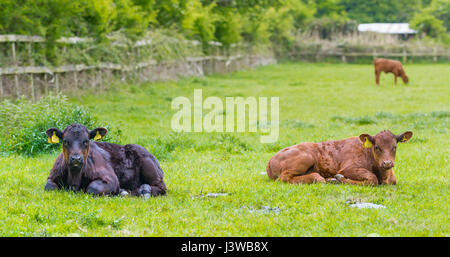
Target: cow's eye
[
  {"x": 394, "y": 149},
  {"x": 66, "y": 143},
  {"x": 86, "y": 143},
  {"x": 377, "y": 148}
]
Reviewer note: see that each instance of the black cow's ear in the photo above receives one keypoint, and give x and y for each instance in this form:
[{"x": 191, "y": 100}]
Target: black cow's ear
[
  {"x": 367, "y": 140},
  {"x": 404, "y": 137},
  {"x": 97, "y": 133},
  {"x": 54, "y": 135}
]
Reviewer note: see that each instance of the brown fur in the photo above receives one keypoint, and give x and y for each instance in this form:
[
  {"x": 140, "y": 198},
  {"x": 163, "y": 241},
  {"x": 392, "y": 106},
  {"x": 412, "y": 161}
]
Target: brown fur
[
  {"x": 386, "y": 65},
  {"x": 320, "y": 162}
]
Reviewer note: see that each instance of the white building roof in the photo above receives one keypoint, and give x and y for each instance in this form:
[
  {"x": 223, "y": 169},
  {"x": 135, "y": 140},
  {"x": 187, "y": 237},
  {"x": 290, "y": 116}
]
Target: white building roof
[{"x": 386, "y": 28}]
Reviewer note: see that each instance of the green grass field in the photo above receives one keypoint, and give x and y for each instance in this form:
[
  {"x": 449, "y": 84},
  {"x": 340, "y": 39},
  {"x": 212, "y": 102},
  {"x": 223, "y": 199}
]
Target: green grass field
[{"x": 318, "y": 102}]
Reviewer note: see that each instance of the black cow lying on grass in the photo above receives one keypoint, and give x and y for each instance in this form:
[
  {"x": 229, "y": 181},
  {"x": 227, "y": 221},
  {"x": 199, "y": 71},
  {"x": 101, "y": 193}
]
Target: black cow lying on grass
[{"x": 101, "y": 168}]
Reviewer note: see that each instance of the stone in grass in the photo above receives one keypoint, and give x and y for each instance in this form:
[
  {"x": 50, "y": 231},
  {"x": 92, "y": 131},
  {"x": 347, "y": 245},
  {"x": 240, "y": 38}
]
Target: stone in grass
[
  {"x": 367, "y": 205},
  {"x": 146, "y": 196},
  {"x": 214, "y": 195},
  {"x": 211, "y": 195},
  {"x": 271, "y": 209},
  {"x": 124, "y": 192},
  {"x": 265, "y": 209}
]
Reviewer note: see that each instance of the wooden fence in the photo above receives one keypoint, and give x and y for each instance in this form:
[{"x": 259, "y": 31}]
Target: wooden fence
[
  {"x": 35, "y": 81},
  {"x": 435, "y": 55}
]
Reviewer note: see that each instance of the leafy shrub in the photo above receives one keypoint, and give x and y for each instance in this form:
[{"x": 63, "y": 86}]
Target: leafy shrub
[
  {"x": 430, "y": 26},
  {"x": 23, "y": 123}
]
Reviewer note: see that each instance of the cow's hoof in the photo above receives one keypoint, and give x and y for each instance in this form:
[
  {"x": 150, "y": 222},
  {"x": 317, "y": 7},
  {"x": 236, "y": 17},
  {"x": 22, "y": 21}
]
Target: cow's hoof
[
  {"x": 333, "y": 181},
  {"x": 124, "y": 192},
  {"x": 339, "y": 177},
  {"x": 146, "y": 196},
  {"x": 145, "y": 189},
  {"x": 49, "y": 186}
]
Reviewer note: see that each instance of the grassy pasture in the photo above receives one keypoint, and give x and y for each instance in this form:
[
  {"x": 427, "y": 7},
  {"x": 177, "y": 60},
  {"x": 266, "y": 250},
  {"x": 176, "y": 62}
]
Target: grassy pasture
[{"x": 317, "y": 102}]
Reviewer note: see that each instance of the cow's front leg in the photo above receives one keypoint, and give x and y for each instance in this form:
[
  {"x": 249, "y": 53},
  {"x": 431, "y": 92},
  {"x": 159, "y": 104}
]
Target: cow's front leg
[
  {"x": 100, "y": 187},
  {"x": 145, "y": 190},
  {"x": 377, "y": 77},
  {"x": 357, "y": 176},
  {"x": 50, "y": 185}
]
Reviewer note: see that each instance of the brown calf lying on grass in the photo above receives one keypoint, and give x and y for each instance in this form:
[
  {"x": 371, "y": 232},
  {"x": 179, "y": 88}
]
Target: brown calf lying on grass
[
  {"x": 392, "y": 66},
  {"x": 363, "y": 160}
]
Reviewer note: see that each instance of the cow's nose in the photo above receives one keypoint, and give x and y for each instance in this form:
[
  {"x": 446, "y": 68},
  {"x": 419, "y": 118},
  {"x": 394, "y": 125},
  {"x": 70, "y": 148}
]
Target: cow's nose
[
  {"x": 388, "y": 164},
  {"x": 76, "y": 159}
]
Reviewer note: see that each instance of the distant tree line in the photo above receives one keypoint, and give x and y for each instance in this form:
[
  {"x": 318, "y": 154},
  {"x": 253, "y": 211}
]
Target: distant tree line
[{"x": 226, "y": 21}]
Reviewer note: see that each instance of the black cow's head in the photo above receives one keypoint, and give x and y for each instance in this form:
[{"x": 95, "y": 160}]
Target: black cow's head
[
  {"x": 384, "y": 146},
  {"x": 75, "y": 139}
]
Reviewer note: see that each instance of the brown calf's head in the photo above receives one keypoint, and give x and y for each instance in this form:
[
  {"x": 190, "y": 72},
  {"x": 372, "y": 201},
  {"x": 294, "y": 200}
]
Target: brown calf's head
[
  {"x": 75, "y": 139},
  {"x": 405, "y": 79},
  {"x": 384, "y": 146}
]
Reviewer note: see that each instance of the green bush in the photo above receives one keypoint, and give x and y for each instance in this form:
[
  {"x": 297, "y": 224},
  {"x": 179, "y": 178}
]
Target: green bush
[
  {"x": 23, "y": 123},
  {"x": 430, "y": 26}
]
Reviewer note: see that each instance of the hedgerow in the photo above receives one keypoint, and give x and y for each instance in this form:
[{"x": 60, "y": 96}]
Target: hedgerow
[{"x": 23, "y": 123}]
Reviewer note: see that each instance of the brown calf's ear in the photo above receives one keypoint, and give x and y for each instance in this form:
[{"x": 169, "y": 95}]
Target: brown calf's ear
[
  {"x": 404, "y": 137},
  {"x": 367, "y": 140},
  {"x": 54, "y": 135},
  {"x": 97, "y": 133}
]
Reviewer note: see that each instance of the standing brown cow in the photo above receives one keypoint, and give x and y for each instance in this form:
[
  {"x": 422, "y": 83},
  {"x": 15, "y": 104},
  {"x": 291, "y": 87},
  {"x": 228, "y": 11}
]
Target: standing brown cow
[
  {"x": 386, "y": 65},
  {"x": 363, "y": 160}
]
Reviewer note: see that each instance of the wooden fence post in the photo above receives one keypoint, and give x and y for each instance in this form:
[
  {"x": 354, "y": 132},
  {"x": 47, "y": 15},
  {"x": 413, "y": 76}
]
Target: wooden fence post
[
  {"x": 101, "y": 78},
  {"x": 16, "y": 82},
  {"x": 30, "y": 60},
  {"x": 1, "y": 86},
  {"x": 75, "y": 78},
  {"x": 45, "y": 84},
  {"x": 435, "y": 54},
  {"x": 56, "y": 83},
  {"x": 404, "y": 55},
  {"x": 33, "y": 96},
  {"x": 16, "y": 79}
]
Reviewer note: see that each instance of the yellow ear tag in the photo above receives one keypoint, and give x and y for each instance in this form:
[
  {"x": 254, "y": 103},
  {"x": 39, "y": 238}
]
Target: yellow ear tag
[
  {"x": 367, "y": 144},
  {"x": 54, "y": 139},
  {"x": 97, "y": 136},
  {"x": 404, "y": 139}
]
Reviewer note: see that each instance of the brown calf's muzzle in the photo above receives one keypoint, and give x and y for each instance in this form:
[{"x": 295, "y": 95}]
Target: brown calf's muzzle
[
  {"x": 387, "y": 164},
  {"x": 405, "y": 79}
]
